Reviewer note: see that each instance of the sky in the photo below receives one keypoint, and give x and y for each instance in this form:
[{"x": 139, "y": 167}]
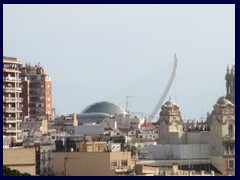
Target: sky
[{"x": 93, "y": 51}]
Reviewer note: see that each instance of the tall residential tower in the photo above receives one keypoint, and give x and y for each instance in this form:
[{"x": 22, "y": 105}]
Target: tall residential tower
[
  {"x": 11, "y": 98},
  {"x": 37, "y": 93}
]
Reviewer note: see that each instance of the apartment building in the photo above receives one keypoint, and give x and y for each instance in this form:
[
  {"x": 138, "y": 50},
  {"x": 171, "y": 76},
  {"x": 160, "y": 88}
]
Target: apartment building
[
  {"x": 37, "y": 93},
  {"x": 11, "y": 98},
  {"x": 21, "y": 159}
]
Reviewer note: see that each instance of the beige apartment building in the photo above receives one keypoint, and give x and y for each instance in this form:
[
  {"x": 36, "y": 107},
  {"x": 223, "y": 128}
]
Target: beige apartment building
[
  {"x": 21, "y": 159},
  {"x": 91, "y": 163},
  {"x": 11, "y": 98}
]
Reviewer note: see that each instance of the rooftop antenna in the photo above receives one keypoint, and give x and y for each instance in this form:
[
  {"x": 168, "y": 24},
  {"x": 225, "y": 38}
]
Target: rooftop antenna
[
  {"x": 202, "y": 117},
  {"x": 127, "y": 102}
]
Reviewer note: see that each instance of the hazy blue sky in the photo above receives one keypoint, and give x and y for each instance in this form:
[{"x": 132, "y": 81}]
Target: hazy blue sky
[{"x": 92, "y": 51}]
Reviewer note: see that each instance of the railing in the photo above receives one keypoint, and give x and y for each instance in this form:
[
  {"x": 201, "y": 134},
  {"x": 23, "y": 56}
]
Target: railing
[
  {"x": 10, "y": 128},
  {"x": 12, "y": 118},
  {"x": 37, "y": 100},
  {"x": 229, "y": 137},
  {"x": 12, "y": 79},
  {"x": 12, "y": 88},
  {"x": 12, "y": 98},
  {"x": 36, "y": 94},
  {"x": 11, "y": 108}
]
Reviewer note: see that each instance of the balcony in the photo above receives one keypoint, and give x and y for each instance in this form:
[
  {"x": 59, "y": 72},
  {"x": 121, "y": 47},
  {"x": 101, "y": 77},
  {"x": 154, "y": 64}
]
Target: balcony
[
  {"x": 229, "y": 138},
  {"x": 11, "y": 129},
  {"x": 9, "y": 78},
  {"x": 9, "y": 69},
  {"x": 12, "y": 119},
  {"x": 11, "y": 109},
  {"x": 12, "y": 89},
  {"x": 11, "y": 99}
]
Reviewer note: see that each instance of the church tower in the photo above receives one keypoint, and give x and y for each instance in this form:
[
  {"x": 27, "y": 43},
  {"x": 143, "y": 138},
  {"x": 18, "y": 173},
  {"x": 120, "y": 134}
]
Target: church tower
[
  {"x": 222, "y": 135},
  {"x": 230, "y": 84},
  {"x": 170, "y": 124}
]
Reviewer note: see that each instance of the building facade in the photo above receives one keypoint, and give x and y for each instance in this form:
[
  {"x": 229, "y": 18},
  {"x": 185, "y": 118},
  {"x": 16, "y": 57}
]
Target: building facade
[
  {"x": 213, "y": 138},
  {"x": 91, "y": 163},
  {"x": 21, "y": 159},
  {"x": 11, "y": 98},
  {"x": 37, "y": 93},
  {"x": 230, "y": 84}
]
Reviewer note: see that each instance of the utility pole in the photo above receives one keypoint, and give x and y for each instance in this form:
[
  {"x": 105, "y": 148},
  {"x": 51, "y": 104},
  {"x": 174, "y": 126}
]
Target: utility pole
[
  {"x": 65, "y": 164},
  {"x": 65, "y": 167}
]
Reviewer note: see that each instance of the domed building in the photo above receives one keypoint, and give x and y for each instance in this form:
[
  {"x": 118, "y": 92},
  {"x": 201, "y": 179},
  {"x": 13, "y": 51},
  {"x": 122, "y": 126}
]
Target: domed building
[
  {"x": 222, "y": 136},
  {"x": 170, "y": 124},
  {"x": 212, "y": 140},
  {"x": 97, "y": 112}
]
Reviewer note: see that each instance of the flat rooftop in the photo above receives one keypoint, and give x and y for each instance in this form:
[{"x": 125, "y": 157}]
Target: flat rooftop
[{"x": 9, "y": 58}]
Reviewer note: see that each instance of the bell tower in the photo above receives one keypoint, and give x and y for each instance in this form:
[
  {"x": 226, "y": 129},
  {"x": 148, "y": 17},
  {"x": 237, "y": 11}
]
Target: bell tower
[
  {"x": 170, "y": 124},
  {"x": 230, "y": 84}
]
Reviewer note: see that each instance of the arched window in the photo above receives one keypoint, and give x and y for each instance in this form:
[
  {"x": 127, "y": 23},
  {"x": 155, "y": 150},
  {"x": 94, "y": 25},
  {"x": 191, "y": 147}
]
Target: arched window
[{"x": 230, "y": 129}]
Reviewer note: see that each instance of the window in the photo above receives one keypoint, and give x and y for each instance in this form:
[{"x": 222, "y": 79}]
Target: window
[
  {"x": 124, "y": 162},
  {"x": 230, "y": 129},
  {"x": 226, "y": 150},
  {"x": 227, "y": 147},
  {"x": 230, "y": 164},
  {"x": 113, "y": 163},
  {"x": 231, "y": 149},
  {"x": 38, "y": 77}
]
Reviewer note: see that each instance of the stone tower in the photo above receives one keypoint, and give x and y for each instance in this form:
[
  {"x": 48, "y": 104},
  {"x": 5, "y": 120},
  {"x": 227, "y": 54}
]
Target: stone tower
[
  {"x": 170, "y": 124},
  {"x": 230, "y": 84},
  {"x": 222, "y": 136}
]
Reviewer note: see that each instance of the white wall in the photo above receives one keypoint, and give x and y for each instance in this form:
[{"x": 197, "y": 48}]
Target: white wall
[
  {"x": 201, "y": 137},
  {"x": 182, "y": 151},
  {"x": 217, "y": 162}
]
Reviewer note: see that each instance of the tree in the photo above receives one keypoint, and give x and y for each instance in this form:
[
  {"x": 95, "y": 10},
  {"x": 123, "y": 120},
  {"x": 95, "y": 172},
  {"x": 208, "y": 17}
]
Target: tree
[{"x": 13, "y": 172}]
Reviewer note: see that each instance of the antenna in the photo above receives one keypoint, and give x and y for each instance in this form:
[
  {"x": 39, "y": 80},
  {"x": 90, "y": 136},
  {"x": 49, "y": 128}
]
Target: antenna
[
  {"x": 176, "y": 88},
  {"x": 127, "y": 102},
  {"x": 202, "y": 117}
]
